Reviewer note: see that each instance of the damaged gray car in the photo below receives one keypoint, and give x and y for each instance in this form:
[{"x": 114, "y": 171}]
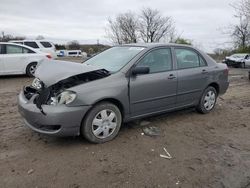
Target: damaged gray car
[{"x": 121, "y": 84}]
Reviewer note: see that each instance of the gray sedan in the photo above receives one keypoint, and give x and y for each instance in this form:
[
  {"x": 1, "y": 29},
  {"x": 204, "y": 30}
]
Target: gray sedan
[{"x": 121, "y": 84}]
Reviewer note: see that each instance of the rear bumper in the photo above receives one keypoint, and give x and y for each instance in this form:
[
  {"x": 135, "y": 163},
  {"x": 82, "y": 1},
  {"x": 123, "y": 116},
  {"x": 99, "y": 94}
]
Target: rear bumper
[
  {"x": 59, "y": 120},
  {"x": 223, "y": 87}
]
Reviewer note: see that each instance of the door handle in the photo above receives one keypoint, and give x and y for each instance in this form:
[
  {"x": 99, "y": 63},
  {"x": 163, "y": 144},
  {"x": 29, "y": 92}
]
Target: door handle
[
  {"x": 204, "y": 71},
  {"x": 171, "y": 76}
]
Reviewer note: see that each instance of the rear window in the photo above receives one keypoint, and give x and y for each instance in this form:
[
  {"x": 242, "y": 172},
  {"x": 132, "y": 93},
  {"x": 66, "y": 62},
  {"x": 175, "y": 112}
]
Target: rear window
[
  {"x": 73, "y": 53},
  {"x": 31, "y": 44},
  {"x": 12, "y": 49},
  {"x": 46, "y": 44}
]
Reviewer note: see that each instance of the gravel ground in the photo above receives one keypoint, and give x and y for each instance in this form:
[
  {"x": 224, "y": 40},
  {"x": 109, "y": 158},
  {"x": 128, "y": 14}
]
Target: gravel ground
[{"x": 210, "y": 150}]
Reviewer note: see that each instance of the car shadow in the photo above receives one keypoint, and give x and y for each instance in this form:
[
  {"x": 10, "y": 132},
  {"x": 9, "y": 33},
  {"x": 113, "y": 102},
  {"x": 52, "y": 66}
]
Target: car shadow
[
  {"x": 78, "y": 140},
  {"x": 14, "y": 76}
]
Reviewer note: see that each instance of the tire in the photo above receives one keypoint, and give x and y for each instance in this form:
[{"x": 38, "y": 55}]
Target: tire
[
  {"x": 30, "y": 69},
  {"x": 242, "y": 65},
  {"x": 102, "y": 123},
  {"x": 206, "y": 106}
]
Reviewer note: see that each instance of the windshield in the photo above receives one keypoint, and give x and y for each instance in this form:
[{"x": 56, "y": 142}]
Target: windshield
[{"x": 114, "y": 58}]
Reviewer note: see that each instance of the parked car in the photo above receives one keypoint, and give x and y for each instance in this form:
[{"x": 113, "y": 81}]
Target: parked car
[
  {"x": 42, "y": 45},
  {"x": 237, "y": 60},
  {"x": 19, "y": 59},
  {"x": 121, "y": 84}
]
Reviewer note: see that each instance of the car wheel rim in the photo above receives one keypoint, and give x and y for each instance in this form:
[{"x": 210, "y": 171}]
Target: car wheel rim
[
  {"x": 32, "y": 69},
  {"x": 104, "y": 124},
  {"x": 209, "y": 100}
]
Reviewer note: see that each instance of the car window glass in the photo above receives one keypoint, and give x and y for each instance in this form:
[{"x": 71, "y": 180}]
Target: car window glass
[
  {"x": 46, "y": 44},
  {"x": 31, "y": 44},
  {"x": 202, "y": 62},
  {"x": 12, "y": 49},
  {"x": 158, "y": 60},
  {"x": 1, "y": 51},
  {"x": 186, "y": 59},
  {"x": 27, "y": 51}
]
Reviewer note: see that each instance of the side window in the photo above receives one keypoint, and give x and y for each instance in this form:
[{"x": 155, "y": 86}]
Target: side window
[
  {"x": 46, "y": 44},
  {"x": 27, "y": 51},
  {"x": 12, "y": 49},
  {"x": 31, "y": 44},
  {"x": 202, "y": 62},
  {"x": 186, "y": 59},
  {"x": 158, "y": 60},
  {"x": 1, "y": 49}
]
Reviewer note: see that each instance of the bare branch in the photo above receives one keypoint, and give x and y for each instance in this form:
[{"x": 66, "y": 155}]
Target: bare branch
[{"x": 153, "y": 26}]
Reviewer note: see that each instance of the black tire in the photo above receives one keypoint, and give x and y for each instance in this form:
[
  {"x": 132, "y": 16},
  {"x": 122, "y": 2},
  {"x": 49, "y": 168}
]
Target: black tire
[
  {"x": 29, "y": 69},
  {"x": 87, "y": 127},
  {"x": 201, "y": 106},
  {"x": 242, "y": 65}
]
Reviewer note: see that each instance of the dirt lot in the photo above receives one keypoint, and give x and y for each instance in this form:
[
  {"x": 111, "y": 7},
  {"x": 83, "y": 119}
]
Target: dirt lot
[{"x": 210, "y": 150}]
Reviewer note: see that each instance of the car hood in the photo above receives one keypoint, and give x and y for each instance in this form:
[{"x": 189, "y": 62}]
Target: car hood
[
  {"x": 235, "y": 58},
  {"x": 53, "y": 71}
]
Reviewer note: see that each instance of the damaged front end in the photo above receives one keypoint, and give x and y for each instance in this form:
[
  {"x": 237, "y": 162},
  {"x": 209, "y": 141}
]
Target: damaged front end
[{"x": 57, "y": 93}]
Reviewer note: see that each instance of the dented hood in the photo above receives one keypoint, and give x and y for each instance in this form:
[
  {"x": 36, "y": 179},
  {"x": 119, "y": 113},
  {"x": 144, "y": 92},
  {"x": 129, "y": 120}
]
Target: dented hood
[{"x": 53, "y": 71}]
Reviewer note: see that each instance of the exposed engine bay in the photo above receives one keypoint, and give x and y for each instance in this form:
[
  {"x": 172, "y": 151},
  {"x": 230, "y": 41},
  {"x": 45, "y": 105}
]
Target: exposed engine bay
[{"x": 48, "y": 95}]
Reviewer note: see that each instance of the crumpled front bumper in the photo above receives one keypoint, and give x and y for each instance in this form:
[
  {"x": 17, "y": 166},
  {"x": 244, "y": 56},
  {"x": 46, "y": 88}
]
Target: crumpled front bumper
[{"x": 60, "y": 120}]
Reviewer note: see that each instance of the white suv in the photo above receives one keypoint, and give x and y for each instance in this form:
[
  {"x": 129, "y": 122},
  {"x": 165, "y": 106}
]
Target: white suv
[{"x": 42, "y": 45}]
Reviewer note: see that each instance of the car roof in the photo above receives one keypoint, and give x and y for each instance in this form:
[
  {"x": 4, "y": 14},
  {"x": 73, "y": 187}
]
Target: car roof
[
  {"x": 151, "y": 45},
  {"x": 30, "y": 40}
]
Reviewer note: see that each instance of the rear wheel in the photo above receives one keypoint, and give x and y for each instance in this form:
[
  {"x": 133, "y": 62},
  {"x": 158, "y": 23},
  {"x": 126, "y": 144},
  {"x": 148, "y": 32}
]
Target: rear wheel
[
  {"x": 102, "y": 123},
  {"x": 207, "y": 101},
  {"x": 31, "y": 68},
  {"x": 242, "y": 65}
]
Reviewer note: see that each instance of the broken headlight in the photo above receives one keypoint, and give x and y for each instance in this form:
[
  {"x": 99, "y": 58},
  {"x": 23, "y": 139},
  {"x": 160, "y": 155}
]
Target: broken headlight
[
  {"x": 66, "y": 97},
  {"x": 37, "y": 84}
]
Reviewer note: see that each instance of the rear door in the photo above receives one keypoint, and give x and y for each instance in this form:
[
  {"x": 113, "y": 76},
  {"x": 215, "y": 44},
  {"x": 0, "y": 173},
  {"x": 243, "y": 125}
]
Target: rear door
[
  {"x": 16, "y": 58},
  {"x": 155, "y": 91},
  {"x": 192, "y": 71}
]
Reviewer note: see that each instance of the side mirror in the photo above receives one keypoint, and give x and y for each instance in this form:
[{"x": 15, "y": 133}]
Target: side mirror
[{"x": 140, "y": 70}]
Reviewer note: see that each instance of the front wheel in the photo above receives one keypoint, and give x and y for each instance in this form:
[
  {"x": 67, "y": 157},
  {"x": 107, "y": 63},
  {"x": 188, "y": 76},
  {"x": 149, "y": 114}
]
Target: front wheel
[
  {"x": 102, "y": 123},
  {"x": 207, "y": 101}
]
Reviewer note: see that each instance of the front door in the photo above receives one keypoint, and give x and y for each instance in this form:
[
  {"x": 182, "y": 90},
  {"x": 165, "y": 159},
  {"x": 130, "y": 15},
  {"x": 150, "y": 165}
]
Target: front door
[{"x": 156, "y": 91}]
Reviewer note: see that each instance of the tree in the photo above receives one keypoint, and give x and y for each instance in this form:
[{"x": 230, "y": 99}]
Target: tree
[
  {"x": 60, "y": 47},
  {"x": 123, "y": 29},
  {"x": 154, "y": 26},
  {"x": 180, "y": 40},
  {"x": 241, "y": 34},
  {"x": 74, "y": 45},
  {"x": 7, "y": 37},
  {"x": 40, "y": 37},
  {"x": 241, "y": 31}
]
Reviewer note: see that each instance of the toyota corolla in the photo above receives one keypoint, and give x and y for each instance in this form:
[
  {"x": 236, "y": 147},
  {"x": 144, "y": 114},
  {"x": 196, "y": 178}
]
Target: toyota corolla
[{"x": 121, "y": 84}]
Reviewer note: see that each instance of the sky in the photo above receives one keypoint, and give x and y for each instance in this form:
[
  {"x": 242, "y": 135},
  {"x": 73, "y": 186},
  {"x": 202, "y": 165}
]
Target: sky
[{"x": 60, "y": 21}]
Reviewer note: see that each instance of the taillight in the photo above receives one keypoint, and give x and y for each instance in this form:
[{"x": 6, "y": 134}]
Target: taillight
[
  {"x": 226, "y": 71},
  {"x": 49, "y": 56}
]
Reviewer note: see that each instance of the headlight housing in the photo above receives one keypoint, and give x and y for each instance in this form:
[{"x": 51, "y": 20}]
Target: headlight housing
[
  {"x": 37, "y": 84},
  {"x": 65, "y": 97}
]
